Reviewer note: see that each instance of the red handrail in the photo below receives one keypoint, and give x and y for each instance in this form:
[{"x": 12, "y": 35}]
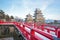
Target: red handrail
[{"x": 31, "y": 35}]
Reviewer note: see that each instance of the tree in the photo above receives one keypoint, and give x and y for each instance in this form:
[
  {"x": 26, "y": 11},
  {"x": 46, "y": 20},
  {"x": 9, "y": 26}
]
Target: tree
[
  {"x": 7, "y": 18},
  {"x": 12, "y": 17},
  {"x": 2, "y": 15},
  {"x": 1, "y": 11}
]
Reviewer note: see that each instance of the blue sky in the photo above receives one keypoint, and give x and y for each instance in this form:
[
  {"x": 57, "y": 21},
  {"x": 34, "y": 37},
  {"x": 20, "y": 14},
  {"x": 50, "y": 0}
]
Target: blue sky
[{"x": 20, "y": 8}]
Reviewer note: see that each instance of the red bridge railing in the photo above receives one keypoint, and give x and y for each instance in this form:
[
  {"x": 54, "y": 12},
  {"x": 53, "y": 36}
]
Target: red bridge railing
[{"x": 31, "y": 33}]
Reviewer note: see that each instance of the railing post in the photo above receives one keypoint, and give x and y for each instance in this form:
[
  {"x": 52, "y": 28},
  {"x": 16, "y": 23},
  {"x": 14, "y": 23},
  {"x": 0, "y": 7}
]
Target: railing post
[
  {"x": 34, "y": 25},
  {"x": 42, "y": 27},
  {"x": 23, "y": 28},
  {"x": 48, "y": 30},
  {"x": 32, "y": 33},
  {"x": 58, "y": 33}
]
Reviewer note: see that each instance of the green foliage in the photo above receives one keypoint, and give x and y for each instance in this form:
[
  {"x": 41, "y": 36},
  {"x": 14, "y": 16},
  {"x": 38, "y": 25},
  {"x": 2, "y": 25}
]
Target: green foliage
[
  {"x": 6, "y": 17},
  {"x": 12, "y": 17},
  {"x": 1, "y": 11},
  {"x": 2, "y": 15}
]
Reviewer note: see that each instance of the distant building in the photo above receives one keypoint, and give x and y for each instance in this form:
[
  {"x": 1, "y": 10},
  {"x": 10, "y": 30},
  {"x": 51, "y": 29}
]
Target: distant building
[
  {"x": 39, "y": 17},
  {"x": 17, "y": 19},
  {"x": 49, "y": 21},
  {"x": 29, "y": 18}
]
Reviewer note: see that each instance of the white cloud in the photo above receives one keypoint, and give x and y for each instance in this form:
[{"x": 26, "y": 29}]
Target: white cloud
[
  {"x": 21, "y": 8},
  {"x": 46, "y": 3},
  {"x": 51, "y": 16}
]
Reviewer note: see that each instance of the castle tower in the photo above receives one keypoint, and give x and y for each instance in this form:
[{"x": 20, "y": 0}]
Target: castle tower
[{"x": 39, "y": 17}]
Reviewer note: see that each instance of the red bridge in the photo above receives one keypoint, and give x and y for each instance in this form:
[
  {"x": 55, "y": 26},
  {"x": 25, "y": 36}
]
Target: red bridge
[{"x": 45, "y": 32}]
